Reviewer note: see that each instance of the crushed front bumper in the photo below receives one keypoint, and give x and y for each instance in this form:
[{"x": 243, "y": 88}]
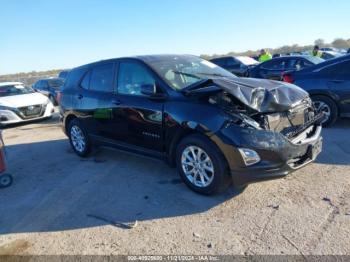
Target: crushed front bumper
[{"x": 279, "y": 155}]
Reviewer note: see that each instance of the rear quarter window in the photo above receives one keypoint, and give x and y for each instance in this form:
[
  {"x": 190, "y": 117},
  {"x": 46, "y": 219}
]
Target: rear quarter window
[{"x": 74, "y": 76}]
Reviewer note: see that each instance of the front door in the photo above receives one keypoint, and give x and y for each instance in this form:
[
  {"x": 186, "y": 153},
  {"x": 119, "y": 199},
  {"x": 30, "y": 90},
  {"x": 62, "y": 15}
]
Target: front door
[
  {"x": 339, "y": 83},
  {"x": 138, "y": 118}
]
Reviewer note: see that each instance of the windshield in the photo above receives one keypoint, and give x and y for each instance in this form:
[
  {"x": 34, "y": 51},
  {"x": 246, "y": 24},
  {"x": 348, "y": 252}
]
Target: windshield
[
  {"x": 12, "y": 90},
  {"x": 55, "y": 83},
  {"x": 247, "y": 60},
  {"x": 182, "y": 71},
  {"x": 315, "y": 60}
]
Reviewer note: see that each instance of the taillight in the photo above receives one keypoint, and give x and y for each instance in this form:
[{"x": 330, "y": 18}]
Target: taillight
[
  {"x": 58, "y": 97},
  {"x": 288, "y": 78}
]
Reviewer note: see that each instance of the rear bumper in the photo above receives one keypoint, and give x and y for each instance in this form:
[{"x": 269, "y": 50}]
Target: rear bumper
[{"x": 279, "y": 155}]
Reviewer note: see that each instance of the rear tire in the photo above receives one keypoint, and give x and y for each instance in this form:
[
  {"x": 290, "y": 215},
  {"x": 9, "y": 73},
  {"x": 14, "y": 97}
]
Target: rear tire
[
  {"x": 202, "y": 166},
  {"x": 78, "y": 138},
  {"x": 328, "y": 107}
]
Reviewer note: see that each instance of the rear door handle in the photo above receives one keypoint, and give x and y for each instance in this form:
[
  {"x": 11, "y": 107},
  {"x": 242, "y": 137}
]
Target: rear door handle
[
  {"x": 116, "y": 102},
  {"x": 337, "y": 81}
]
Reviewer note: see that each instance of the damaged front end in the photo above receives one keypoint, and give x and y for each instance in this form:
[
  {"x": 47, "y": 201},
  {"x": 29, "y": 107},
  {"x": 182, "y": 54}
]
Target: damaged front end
[{"x": 274, "y": 121}]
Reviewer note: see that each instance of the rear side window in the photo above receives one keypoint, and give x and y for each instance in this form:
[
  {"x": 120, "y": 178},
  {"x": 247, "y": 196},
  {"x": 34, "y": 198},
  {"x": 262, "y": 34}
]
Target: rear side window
[
  {"x": 101, "y": 78},
  {"x": 232, "y": 62},
  {"x": 220, "y": 62},
  {"x": 55, "y": 83},
  {"x": 274, "y": 65}
]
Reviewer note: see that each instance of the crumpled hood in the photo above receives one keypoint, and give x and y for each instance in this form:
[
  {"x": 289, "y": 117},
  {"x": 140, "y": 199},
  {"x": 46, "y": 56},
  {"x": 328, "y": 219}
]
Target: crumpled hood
[{"x": 260, "y": 94}]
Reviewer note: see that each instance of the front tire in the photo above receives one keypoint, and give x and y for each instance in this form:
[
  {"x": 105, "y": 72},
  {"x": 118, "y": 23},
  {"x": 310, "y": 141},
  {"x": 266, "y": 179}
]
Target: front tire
[
  {"x": 328, "y": 107},
  {"x": 78, "y": 138},
  {"x": 202, "y": 166}
]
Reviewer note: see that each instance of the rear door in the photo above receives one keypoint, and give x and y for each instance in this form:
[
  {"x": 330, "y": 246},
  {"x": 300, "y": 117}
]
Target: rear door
[
  {"x": 95, "y": 99},
  {"x": 338, "y": 80}
]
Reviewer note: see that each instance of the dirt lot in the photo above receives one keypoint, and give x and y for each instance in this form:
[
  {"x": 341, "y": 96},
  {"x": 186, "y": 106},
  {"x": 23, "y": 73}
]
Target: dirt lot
[{"x": 61, "y": 204}]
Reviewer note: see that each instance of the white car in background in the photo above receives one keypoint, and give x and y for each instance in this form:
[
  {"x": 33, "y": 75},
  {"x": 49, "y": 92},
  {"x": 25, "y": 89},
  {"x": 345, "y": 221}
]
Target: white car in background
[{"x": 19, "y": 103}]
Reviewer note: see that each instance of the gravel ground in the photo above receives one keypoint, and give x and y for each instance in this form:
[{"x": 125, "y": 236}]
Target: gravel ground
[{"x": 61, "y": 204}]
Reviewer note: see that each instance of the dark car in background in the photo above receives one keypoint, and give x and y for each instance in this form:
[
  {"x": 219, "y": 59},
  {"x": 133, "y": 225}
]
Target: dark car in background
[
  {"x": 63, "y": 74},
  {"x": 328, "y": 84},
  {"x": 240, "y": 65},
  {"x": 274, "y": 68},
  {"x": 49, "y": 87},
  {"x": 330, "y": 54},
  {"x": 216, "y": 128}
]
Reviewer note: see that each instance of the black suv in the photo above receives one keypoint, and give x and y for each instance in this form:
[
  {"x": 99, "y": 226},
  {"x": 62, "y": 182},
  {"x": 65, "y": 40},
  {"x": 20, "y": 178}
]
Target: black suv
[{"x": 214, "y": 127}]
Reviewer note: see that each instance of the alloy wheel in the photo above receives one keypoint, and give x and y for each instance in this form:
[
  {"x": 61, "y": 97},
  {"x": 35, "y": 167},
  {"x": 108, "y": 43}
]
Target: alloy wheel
[
  {"x": 78, "y": 138},
  {"x": 197, "y": 166},
  {"x": 323, "y": 107}
]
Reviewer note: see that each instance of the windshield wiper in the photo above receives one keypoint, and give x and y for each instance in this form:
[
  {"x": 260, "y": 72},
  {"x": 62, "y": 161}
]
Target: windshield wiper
[
  {"x": 210, "y": 74},
  {"x": 186, "y": 74}
]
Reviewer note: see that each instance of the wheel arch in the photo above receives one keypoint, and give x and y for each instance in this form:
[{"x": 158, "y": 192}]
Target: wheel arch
[
  {"x": 185, "y": 132},
  {"x": 331, "y": 96},
  {"x": 67, "y": 120}
]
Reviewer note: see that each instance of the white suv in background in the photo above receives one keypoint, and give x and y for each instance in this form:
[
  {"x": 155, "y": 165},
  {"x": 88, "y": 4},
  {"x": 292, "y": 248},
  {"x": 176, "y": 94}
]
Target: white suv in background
[{"x": 19, "y": 103}]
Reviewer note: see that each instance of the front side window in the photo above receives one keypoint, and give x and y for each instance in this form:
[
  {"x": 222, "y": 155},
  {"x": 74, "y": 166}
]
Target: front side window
[
  {"x": 102, "y": 78},
  {"x": 131, "y": 76},
  {"x": 181, "y": 71}
]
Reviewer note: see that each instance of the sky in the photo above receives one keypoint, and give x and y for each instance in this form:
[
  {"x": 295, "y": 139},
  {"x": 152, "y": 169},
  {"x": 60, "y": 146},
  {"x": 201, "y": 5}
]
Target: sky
[{"x": 52, "y": 34}]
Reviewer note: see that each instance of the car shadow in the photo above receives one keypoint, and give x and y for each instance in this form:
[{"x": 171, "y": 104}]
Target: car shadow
[
  {"x": 336, "y": 144},
  {"x": 55, "y": 190}
]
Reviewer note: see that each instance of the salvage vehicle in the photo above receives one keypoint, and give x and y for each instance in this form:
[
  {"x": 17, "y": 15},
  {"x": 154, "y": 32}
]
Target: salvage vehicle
[
  {"x": 49, "y": 87},
  {"x": 19, "y": 103},
  {"x": 214, "y": 127},
  {"x": 274, "y": 69},
  {"x": 328, "y": 85},
  {"x": 239, "y": 65}
]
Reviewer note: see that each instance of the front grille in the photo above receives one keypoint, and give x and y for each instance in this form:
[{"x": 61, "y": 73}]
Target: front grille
[
  {"x": 294, "y": 121},
  {"x": 33, "y": 111}
]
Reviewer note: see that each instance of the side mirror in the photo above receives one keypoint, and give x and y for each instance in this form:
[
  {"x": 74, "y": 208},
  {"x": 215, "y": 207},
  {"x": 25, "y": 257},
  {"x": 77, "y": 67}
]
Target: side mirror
[
  {"x": 151, "y": 92},
  {"x": 148, "y": 90}
]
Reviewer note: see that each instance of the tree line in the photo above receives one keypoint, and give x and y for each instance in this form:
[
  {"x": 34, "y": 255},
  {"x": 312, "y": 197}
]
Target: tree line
[
  {"x": 339, "y": 43},
  {"x": 29, "y": 78}
]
